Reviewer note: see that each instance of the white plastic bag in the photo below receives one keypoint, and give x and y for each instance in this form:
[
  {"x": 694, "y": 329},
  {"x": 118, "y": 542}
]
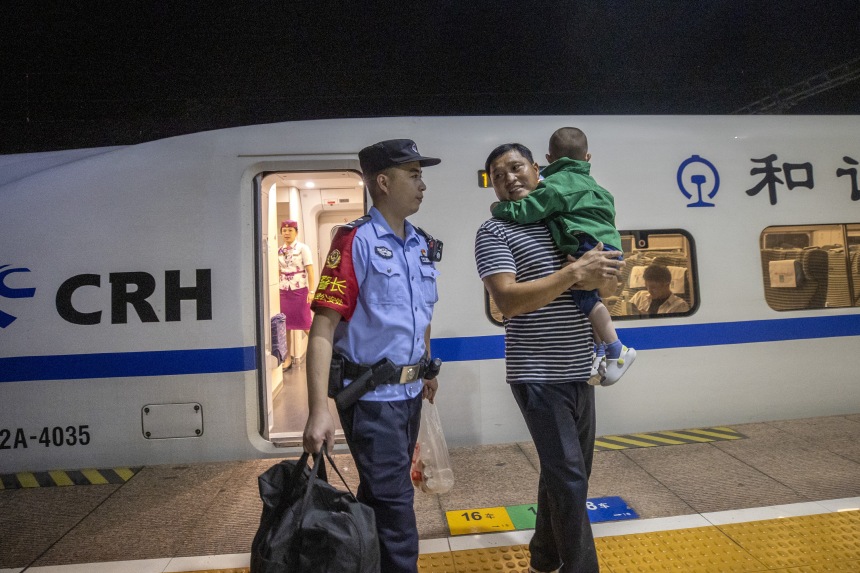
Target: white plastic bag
[{"x": 431, "y": 467}]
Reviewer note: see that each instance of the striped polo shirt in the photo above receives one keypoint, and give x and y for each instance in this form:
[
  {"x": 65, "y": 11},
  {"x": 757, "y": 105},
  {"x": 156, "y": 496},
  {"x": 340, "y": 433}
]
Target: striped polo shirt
[{"x": 552, "y": 344}]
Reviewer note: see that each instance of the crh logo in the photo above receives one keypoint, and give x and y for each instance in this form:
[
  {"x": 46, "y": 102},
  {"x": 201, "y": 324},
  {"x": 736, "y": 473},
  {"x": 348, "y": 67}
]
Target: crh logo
[{"x": 9, "y": 292}]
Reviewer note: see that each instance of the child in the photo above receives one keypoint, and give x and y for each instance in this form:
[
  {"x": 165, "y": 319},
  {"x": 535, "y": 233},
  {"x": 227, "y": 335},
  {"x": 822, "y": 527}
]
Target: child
[{"x": 580, "y": 214}]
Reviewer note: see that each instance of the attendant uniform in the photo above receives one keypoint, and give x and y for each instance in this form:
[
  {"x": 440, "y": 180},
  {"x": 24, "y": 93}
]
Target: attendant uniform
[
  {"x": 293, "y": 283},
  {"x": 384, "y": 287}
]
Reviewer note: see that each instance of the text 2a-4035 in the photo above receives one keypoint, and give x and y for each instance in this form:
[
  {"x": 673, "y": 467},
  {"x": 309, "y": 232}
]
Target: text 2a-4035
[{"x": 57, "y": 436}]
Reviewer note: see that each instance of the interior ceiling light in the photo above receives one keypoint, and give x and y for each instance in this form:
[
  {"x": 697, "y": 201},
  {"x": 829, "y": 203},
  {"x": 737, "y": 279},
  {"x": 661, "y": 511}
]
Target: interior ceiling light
[{"x": 310, "y": 184}]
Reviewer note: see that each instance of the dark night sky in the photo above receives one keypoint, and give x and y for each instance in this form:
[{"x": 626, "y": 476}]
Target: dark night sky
[{"x": 80, "y": 74}]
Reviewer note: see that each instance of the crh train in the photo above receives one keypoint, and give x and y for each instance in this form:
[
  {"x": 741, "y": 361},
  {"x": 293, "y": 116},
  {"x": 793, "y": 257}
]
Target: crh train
[{"x": 137, "y": 284}]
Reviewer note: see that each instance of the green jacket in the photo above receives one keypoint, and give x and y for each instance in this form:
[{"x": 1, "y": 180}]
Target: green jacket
[{"x": 570, "y": 201}]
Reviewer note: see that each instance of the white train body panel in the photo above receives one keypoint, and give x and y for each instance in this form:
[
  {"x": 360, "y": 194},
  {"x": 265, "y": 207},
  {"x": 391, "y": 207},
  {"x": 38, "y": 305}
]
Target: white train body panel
[{"x": 189, "y": 204}]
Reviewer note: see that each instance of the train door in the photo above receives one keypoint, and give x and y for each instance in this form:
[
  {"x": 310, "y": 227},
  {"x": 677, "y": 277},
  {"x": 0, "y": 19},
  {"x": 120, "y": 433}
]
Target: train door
[{"x": 318, "y": 202}]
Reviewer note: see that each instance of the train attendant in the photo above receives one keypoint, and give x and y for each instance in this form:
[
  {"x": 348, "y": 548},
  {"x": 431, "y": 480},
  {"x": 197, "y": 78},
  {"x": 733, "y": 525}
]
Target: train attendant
[
  {"x": 296, "y": 278},
  {"x": 546, "y": 366},
  {"x": 374, "y": 302}
]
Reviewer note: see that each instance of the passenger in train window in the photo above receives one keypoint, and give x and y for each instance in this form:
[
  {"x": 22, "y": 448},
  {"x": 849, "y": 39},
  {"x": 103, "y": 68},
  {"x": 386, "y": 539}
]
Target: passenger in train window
[
  {"x": 374, "y": 302},
  {"x": 295, "y": 280},
  {"x": 580, "y": 214},
  {"x": 657, "y": 298},
  {"x": 546, "y": 366}
]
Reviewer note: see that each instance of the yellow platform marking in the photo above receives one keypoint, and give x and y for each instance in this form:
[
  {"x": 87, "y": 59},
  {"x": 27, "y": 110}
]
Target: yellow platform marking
[
  {"x": 599, "y": 443},
  {"x": 651, "y": 439},
  {"x": 826, "y": 543},
  {"x": 60, "y": 478},
  {"x": 95, "y": 477},
  {"x": 724, "y": 429},
  {"x": 623, "y": 440},
  {"x": 27, "y": 479},
  {"x": 800, "y": 541},
  {"x": 687, "y": 437},
  {"x": 659, "y": 439},
  {"x": 436, "y": 562},
  {"x": 513, "y": 559},
  {"x": 484, "y": 520},
  {"x": 125, "y": 473},
  {"x": 728, "y": 436},
  {"x": 53, "y": 478}
]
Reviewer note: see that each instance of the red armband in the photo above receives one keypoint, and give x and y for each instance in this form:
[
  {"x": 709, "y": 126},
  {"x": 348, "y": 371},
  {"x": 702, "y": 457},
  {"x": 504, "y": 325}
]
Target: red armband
[{"x": 338, "y": 287}]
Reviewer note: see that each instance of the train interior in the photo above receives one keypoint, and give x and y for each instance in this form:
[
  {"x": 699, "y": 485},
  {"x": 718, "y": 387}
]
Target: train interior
[
  {"x": 811, "y": 266},
  {"x": 642, "y": 249},
  {"x": 668, "y": 248},
  {"x": 319, "y": 202},
  {"x": 803, "y": 267}
]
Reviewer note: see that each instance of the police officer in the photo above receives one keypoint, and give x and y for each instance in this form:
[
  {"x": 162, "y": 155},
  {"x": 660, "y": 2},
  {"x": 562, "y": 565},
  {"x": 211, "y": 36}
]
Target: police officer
[{"x": 374, "y": 301}]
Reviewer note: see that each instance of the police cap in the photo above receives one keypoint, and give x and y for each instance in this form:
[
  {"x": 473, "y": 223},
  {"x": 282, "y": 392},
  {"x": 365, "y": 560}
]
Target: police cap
[{"x": 391, "y": 152}]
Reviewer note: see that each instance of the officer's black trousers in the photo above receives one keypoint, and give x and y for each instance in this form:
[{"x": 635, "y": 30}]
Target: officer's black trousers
[{"x": 381, "y": 437}]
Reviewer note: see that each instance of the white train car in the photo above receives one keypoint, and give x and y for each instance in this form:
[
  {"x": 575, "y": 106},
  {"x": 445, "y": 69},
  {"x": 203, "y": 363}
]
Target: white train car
[{"x": 137, "y": 283}]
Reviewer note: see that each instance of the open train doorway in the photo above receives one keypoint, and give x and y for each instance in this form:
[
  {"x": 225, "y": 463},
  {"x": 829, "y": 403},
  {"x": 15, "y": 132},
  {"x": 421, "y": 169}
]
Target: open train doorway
[{"x": 318, "y": 202}]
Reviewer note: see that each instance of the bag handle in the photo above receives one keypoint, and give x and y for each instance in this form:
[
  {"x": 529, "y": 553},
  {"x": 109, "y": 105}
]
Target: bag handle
[
  {"x": 283, "y": 502},
  {"x": 319, "y": 467},
  {"x": 337, "y": 471}
]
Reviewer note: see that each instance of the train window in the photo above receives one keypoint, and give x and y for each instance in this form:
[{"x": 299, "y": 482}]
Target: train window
[
  {"x": 821, "y": 270},
  {"x": 658, "y": 281}
]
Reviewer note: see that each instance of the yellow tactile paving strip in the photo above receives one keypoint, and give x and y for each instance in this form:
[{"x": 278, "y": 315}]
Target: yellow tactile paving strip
[{"x": 825, "y": 543}]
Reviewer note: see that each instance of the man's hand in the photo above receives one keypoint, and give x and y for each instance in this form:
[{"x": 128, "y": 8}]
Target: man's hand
[
  {"x": 319, "y": 429},
  {"x": 596, "y": 267},
  {"x": 430, "y": 388}
]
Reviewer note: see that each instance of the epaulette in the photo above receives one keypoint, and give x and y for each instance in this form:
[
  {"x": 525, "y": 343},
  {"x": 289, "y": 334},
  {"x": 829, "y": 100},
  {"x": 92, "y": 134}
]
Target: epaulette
[
  {"x": 357, "y": 223},
  {"x": 434, "y": 246}
]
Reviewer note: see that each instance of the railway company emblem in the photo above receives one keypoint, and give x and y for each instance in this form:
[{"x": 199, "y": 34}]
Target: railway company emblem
[
  {"x": 7, "y": 291},
  {"x": 697, "y": 177}
]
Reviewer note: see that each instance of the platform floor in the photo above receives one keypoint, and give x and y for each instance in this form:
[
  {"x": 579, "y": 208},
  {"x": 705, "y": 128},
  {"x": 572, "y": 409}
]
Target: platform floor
[{"x": 783, "y": 497}]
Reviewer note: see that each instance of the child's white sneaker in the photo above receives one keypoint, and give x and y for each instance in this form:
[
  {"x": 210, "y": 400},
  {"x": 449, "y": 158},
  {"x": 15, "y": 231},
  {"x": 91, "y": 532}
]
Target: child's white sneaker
[
  {"x": 616, "y": 367},
  {"x": 598, "y": 369}
]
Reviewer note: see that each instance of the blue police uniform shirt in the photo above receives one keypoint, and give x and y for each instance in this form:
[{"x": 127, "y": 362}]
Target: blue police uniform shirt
[{"x": 396, "y": 293}]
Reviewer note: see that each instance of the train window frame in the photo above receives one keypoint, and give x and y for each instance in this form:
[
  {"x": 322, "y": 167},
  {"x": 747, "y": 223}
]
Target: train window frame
[
  {"x": 620, "y": 304},
  {"x": 823, "y": 275}
]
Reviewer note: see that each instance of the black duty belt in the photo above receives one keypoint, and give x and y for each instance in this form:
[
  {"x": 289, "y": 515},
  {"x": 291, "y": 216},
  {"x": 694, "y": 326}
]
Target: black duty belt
[{"x": 402, "y": 375}]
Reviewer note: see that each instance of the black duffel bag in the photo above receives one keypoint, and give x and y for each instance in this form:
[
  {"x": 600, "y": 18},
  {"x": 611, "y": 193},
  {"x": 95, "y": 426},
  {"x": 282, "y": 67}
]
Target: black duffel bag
[{"x": 308, "y": 526}]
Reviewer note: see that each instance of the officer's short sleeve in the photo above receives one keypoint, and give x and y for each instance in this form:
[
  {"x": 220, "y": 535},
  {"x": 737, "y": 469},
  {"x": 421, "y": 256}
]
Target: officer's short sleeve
[{"x": 338, "y": 287}]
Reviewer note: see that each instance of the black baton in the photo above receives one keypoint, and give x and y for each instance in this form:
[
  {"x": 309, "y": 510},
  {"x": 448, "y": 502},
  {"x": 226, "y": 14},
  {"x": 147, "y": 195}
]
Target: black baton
[{"x": 380, "y": 372}]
